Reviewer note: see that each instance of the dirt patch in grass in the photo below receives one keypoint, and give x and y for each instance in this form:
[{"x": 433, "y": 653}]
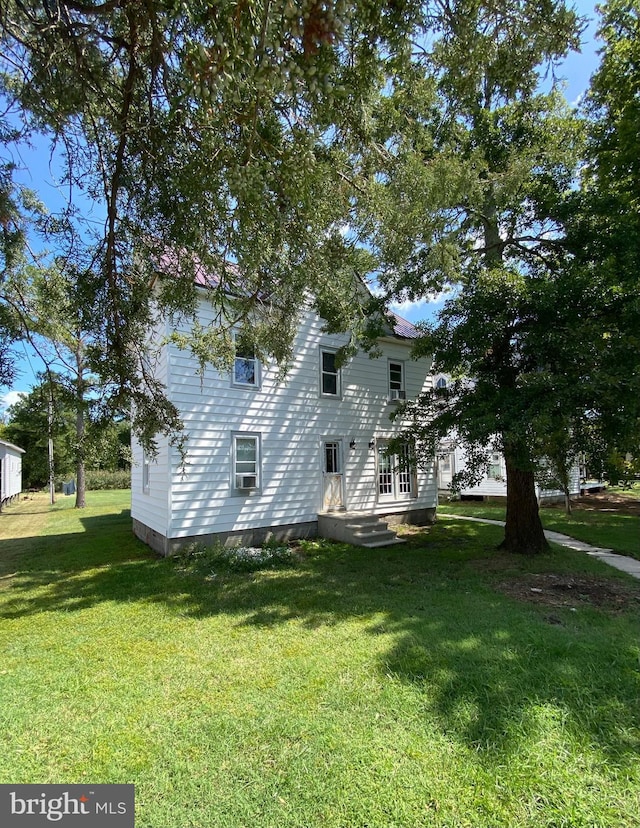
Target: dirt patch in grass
[
  {"x": 607, "y": 502},
  {"x": 572, "y": 592}
]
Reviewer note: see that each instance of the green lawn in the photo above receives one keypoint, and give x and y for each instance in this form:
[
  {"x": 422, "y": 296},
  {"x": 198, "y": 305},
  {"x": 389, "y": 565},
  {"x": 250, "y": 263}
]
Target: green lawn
[
  {"x": 391, "y": 688},
  {"x": 629, "y": 491},
  {"x": 600, "y": 528}
]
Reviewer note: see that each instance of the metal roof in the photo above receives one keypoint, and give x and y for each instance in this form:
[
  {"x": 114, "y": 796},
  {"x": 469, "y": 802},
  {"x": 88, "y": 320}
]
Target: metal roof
[
  {"x": 11, "y": 446},
  {"x": 403, "y": 328}
]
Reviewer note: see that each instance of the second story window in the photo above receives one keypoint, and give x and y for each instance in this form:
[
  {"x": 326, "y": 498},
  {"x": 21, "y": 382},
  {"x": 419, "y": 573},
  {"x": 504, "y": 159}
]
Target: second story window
[
  {"x": 246, "y": 368},
  {"x": 396, "y": 381},
  {"x": 329, "y": 374}
]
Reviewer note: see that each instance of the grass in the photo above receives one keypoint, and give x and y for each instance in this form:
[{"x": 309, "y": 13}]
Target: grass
[
  {"x": 632, "y": 490},
  {"x": 600, "y": 528},
  {"x": 390, "y": 688}
]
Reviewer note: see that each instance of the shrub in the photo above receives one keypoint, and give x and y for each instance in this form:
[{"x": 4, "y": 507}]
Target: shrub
[
  {"x": 108, "y": 479},
  {"x": 197, "y": 558}
]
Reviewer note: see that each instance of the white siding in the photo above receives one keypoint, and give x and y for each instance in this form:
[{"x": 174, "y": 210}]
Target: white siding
[
  {"x": 152, "y": 505},
  {"x": 490, "y": 487},
  {"x": 10, "y": 470},
  {"x": 292, "y": 419},
  {"x": 574, "y": 485}
]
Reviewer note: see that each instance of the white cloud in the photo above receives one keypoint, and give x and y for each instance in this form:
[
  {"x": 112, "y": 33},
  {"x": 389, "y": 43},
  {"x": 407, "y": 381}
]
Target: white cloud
[
  {"x": 419, "y": 309},
  {"x": 11, "y": 398}
]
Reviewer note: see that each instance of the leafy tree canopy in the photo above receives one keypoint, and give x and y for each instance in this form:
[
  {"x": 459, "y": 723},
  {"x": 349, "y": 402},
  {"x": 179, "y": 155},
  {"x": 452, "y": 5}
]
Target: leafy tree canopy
[
  {"x": 28, "y": 427},
  {"x": 471, "y": 160},
  {"x": 211, "y": 136},
  {"x": 603, "y": 221}
]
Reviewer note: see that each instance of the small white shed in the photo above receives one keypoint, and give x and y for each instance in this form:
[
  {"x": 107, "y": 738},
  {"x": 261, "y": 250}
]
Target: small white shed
[{"x": 10, "y": 472}]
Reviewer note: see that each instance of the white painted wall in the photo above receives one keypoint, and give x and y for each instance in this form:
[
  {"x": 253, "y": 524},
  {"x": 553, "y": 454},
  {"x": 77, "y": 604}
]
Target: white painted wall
[
  {"x": 151, "y": 505},
  {"x": 293, "y": 420},
  {"x": 10, "y": 470},
  {"x": 491, "y": 487}
]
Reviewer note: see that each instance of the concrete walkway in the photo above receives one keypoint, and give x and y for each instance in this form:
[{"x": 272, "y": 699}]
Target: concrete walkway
[{"x": 622, "y": 562}]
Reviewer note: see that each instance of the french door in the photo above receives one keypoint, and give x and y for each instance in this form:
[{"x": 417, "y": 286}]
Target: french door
[{"x": 395, "y": 476}]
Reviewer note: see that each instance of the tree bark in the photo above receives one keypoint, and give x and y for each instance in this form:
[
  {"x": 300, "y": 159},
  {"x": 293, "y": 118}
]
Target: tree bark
[
  {"x": 81, "y": 486},
  {"x": 52, "y": 476},
  {"x": 523, "y": 532}
]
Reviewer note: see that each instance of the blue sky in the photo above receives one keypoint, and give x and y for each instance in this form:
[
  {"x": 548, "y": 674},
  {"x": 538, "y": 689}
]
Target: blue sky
[{"x": 577, "y": 70}]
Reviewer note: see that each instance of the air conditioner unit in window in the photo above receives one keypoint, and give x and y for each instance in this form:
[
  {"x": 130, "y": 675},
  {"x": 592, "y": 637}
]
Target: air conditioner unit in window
[
  {"x": 247, "y": 481},
  {"x": 396, "y": 394}
]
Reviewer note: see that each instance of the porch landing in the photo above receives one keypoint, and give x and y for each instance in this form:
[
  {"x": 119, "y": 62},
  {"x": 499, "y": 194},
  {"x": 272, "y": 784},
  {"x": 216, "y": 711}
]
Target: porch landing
[{"x": 357, "y": 528}]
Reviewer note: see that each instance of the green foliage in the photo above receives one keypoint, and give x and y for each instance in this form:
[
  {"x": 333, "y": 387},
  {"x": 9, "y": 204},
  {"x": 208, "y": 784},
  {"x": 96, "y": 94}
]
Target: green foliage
[
  {"x": 210, "y": 561},
  {"x": 613, "y": 103},
  {"x": 102, "y": 479},
  {"x": 106, "y": 445},
  {"x": 468, "y": 153},
  {"x": 603, "y": 219},
  {"x": 471, "y": 164},
  {"x": 28, "y": 428},
  {"x": 395, "y": 687},
  {"x": 212, "y": 140},
  {"x": 19, "y": 212},
  {"x": 98, "y": 480},
  {"x": 474, "y": 189}
]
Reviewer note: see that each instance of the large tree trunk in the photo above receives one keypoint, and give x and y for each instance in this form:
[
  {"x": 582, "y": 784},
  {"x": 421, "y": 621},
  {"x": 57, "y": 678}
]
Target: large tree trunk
[
  {"x": 567, "y": 500},
  {"x": 523, "y": 530},
  {"x": 81, "y": 486},
  {"x": 52, "y": 471}
]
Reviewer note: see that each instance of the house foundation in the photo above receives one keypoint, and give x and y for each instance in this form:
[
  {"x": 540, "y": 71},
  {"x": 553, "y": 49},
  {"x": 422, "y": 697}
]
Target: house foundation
[{"x": 288, "y": 532}]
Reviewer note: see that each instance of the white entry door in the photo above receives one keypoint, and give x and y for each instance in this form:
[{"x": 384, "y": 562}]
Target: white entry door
[
  {"x": 332, "y": 476},
  {"x": 446, "y": 469}
]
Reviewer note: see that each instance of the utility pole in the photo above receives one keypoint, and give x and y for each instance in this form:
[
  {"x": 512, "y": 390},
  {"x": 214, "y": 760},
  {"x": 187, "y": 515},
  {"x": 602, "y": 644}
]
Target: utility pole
[{"x": 52, "y": 487}]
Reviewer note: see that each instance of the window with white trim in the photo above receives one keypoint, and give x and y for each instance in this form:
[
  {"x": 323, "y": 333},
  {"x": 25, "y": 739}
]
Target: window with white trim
[
  {"x": 330, "y": 377},
  {"x": 396, "y": 380},
  {"x": 441, "y": 383},
  {"x": 405, "y": 473},
  {"x": 332, "y": 457},
  {"x": 495, "y": 466},
  {"x": 246, "y": 462},
  {"x": 246, "y": 367}
]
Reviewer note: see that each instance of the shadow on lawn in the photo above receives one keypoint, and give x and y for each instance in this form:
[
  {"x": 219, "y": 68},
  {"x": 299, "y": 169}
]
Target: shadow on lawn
[
  {"x": 493, "y": 673},
  {"x": 104, "y": 539}
]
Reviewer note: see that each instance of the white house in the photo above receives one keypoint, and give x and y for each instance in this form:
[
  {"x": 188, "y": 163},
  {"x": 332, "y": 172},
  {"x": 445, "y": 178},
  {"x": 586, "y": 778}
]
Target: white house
[
  {"x": 284, "y": 459},
  {"x": 10, "y": 472},
  {"x": 451, "y": 459}
]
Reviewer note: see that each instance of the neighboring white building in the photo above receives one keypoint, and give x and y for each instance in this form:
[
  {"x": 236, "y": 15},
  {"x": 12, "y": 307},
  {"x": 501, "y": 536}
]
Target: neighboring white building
[
  {"x": 451, "y": 459},
  {"x": 10, "y": 472},
  {"x": 267, "y": 458}
]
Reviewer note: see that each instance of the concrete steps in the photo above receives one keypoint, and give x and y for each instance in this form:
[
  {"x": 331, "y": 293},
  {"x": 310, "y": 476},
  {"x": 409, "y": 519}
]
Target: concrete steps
[{"x": 357, "y": 528}]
